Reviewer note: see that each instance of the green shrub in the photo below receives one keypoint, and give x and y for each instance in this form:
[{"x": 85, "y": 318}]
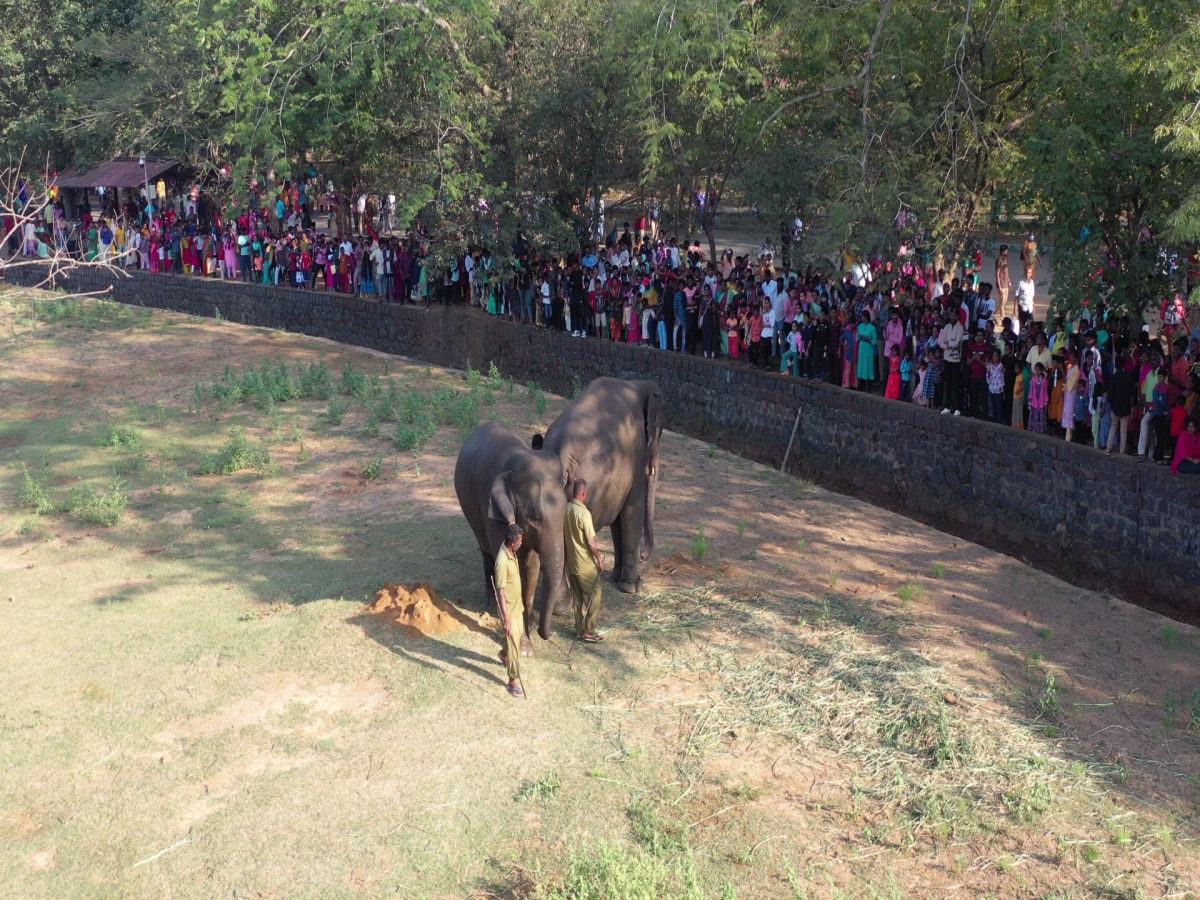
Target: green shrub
[
  {"x": 536, "y": 394},
  {"x": 414, "y": 435},
  {"x": 416, "y": 423},
  {"x": 385, "y": 406},
  {"x": 337, "y": 409},
  {"x": 99, "y": 507},
  {"x": 494, "y": 380},
  {"x": 35, "y": 496},
  {"x": 441, "y": 405},
  {"x": 354, "y": 382},
  {"x": 237, "y": 454},
  {"x": 313, "y": 382},
  {"x": 465, "y": 413},
  {"x": 122, "y": 436}
]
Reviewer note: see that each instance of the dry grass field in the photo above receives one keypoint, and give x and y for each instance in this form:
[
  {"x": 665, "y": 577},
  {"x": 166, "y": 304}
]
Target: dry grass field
[{"x": 812, "y": 697}]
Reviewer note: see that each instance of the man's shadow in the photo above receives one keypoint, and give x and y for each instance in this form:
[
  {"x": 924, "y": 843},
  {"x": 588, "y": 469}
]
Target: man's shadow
[{"x": 431, "y": 652}]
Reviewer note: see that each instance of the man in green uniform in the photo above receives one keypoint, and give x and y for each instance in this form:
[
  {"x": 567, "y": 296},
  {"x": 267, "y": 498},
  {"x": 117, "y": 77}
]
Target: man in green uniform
[
  {"x": 584, "y": 564},
  {"x": 507, "y": 577}
]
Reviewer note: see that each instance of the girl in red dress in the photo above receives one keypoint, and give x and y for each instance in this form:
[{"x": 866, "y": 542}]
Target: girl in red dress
[{"x": 893, "y": 382}]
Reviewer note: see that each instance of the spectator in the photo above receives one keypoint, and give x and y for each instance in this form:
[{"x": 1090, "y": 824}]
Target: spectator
[
  {"x": 950, "y": 341},
  {"x": 1187, "y": 450}
]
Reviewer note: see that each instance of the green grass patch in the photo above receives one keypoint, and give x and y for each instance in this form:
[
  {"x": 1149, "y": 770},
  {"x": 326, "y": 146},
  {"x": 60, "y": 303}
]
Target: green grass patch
[
  {"x": 612, "y": 872},
  {"x": 910, "y": 593},
  {"x": 98, "y": 506},
  {"x": 236, "y": 455},
  {"x": 122, "y": 437},
  {"x": 35, "y": 495},
  {"x": 264, "y": 385}
]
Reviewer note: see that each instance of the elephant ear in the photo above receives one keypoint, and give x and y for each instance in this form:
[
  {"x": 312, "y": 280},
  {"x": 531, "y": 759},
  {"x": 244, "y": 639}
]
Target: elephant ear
[{"x": 500, "y": 505}]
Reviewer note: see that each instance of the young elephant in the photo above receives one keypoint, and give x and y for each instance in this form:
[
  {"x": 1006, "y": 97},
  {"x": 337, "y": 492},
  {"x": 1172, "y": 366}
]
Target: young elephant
[
  {"x": 610, "y": 437},
  {"x": 500, "y": 480}
]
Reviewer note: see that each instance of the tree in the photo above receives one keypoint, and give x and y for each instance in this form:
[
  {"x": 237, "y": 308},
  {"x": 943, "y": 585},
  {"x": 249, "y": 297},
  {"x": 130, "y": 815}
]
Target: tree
[
  {"x": 1177, "y": 64},
  {"x": 706, "y": 67},
  {"x": 1093, "y": 161},
  {"x": 381, "y": 95}
]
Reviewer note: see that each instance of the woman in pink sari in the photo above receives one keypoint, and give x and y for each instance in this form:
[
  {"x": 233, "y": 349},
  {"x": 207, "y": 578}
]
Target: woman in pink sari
[{"x": 229, "y": 268}]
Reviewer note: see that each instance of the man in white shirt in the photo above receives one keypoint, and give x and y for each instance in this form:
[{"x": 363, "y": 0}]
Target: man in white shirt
[
  {"x": 768, "y": 331},
  {"x": 1025, "y": 294},
  {"x": 950, "y": 340},
  {"x": 860, "y": 274},
  {"x": 938, "y": 286}
]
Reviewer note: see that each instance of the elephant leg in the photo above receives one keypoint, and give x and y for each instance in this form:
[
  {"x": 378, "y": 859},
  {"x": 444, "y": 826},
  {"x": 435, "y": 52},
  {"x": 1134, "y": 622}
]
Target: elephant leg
[
  {"x": 531, "y": 571},
  {"x": 615, "y": 531},
  {"x": 633, "y": 526},
  {"x": 489, "y": 595},
  {"x": 622, "y": 555}
]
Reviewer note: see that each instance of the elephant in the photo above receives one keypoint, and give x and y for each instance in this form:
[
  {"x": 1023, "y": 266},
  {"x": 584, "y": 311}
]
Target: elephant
[
  {"x": 500, "y": 480},
  {"x": 610, "y": 436}
]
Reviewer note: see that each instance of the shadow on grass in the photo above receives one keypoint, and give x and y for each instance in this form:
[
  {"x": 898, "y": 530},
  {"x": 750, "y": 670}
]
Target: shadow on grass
[{"x": 474, "y": 669}]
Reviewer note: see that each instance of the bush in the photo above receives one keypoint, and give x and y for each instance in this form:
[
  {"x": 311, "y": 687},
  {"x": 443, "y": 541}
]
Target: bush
[
  {"x": 35, "y": 496},
  {"x": 337, "y": 409},
  {"x": 99, "y": 508},
  {"x": 313, "y": 383},
  {"x": 385, "y": 407},
  {"x": 414, "y": 435},
  {"x": 494, "y": 381},
  {"x": 237, "y": 454},
  {"x": 354, "y": 382},
  {"x": 416, "y": 422},
  {"x": 122, "y": 436},
  {"x": 465, "y": 413}
]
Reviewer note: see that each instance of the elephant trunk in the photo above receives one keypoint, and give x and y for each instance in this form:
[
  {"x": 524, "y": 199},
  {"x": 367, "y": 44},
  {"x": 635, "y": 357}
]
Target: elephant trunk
[
  {"x": 555, "y": 585},
  {"x": 648, "y": 530}
]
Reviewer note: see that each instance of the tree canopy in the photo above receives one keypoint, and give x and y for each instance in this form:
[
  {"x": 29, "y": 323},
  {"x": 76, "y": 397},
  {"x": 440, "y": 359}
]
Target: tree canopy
[{"x": 937, "y": 114}]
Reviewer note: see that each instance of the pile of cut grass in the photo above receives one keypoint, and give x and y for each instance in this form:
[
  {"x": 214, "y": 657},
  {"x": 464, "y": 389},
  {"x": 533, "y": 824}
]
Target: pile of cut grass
[{"x": 829, "y": 678}]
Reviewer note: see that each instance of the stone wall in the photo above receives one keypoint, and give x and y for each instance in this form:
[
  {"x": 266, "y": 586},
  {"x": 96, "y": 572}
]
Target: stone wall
[{"x": 1102, "y": 521}]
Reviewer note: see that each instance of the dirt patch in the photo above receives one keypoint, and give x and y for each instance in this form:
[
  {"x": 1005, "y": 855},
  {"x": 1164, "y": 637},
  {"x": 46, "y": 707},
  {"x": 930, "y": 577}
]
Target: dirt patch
[
  {"x": 679, "y": 564},
  {"x": 183, "y": 518},
  {"x": 43, "y": 860},
  {"x": 418, "y": 611},
  {"x": 16, "y": 824},
  {"x": 313, "y": 709}
]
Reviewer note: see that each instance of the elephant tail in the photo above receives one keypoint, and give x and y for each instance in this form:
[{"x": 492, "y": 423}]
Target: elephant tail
[{"x": 648, "y": 529}]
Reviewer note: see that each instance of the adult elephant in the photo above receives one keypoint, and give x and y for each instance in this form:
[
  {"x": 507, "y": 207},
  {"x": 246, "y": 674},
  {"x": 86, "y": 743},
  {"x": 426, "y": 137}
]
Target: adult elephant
[
  {"x": 500, "y": 480},
  {"x": 609, "y": 436}
]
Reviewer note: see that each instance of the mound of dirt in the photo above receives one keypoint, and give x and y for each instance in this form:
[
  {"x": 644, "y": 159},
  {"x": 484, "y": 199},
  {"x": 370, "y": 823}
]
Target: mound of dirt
[{"x": 418, "y": 611}]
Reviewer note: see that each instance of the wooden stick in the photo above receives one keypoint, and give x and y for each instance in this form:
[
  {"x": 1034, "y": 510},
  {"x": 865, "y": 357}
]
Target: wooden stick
[
  {"x": 161, "y": 852},
  {"x": 791, "y": 440}
]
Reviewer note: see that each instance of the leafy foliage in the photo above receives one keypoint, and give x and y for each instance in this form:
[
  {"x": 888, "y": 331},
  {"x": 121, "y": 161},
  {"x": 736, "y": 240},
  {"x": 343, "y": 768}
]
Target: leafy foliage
[
  {"x": 238, "y": 453},
  {"x": 493, "y": 120}
]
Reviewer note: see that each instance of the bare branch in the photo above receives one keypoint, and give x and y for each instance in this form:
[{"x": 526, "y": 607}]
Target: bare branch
[
  {"x": 33, "y": 235},
  {"x": 885, "y": 11}
]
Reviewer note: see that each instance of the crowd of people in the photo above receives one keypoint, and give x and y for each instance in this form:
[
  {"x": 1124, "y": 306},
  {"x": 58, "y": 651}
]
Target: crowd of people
[
  {"x": 946, "y": 341},
  {"x": 893, "y": 327}
]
